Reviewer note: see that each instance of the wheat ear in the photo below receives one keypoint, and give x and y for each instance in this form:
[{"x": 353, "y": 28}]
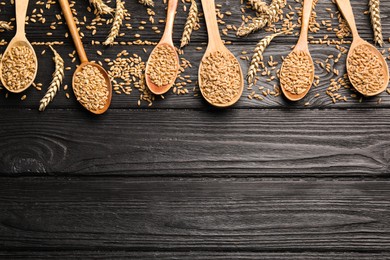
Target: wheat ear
[
  {"x": 6, "y": 25},
  {"x": 101, "y": 7},
  {"x": 259, "y": 6},
  {"x": 258, "y": 23},
  {"x": 257, "y": 57},
  {"x": 56, "y": 82},
  {"x": 149, "y": 3},
  {"x": 192, "y": 21},
  {"x": 376, "y": 21},
  {"x": 120, "y": 13}
]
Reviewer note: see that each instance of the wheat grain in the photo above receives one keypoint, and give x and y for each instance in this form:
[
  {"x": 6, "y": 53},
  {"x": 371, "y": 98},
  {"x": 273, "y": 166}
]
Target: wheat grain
[
  {"x": 56, "y": 82},
  {"x": 163, "y": 65},
  {"x": 18, "y": 67},
  {"x": 257, "y": 57},
  {"x": 259, "y": 6},
  {"x": 101, "y": 7},
  {"x": 6, "y": 25},
  {"x": 257, "y": 23},
  {"x": 149, "y": 3},
  {"x": 296, "y": 74},
  {"x": 376, "y": 21},
  {"x": 220, "y": 78},
  {"x": 191, "y": 23},
  {"x": 90, "y": 88},
  {"x": 365, "y": 70},
  {"x": 120, "y": 14}
]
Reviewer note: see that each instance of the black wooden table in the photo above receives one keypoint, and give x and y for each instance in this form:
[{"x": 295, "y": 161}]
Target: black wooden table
[{"x": 181, "y": 180}]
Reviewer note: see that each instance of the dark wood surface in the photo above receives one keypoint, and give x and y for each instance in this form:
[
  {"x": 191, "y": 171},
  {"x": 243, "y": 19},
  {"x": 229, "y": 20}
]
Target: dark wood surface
[{"x": 181, "y": 180}]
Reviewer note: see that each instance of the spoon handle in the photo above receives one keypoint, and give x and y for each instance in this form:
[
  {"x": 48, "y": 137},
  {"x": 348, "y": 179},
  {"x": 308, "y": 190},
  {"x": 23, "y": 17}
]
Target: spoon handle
[
  {"x": 346, "y": 9},
  {"x": 211, "y": 22},
  {"x": 73, "y": 30},
  {"x": 21, "y": 11},
  {"x": 171, "y": 12},
  {"x": 306, "y": 13}
]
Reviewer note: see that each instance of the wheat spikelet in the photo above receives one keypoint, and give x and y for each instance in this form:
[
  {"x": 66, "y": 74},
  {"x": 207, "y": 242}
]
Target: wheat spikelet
[
  {"x": 101, "y": 7},
  {"x": 376, "y": 21},
  {"x": 259, "y": 6},
  {"x": 275, "y": 9},
  {"x": 149, "y": 3},
  {"x": 257, "y": 23},
  {"x": 6, "y": 25},
  {"x": 257, "y": 57},
  {"x": 192, "y": 21},
  {"x": 120, "y": 13},
  {"x": 55, "y": 84}
]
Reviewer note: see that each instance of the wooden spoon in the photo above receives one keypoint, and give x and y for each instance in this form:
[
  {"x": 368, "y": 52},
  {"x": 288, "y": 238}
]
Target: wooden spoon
[
  {"x": 215, "y": 44},
  {"x": 20, "y": 40},
  {"x": 302, "y": 46},
  {"x": 167, "y": 41},
  {"x": 346, "y": 9},
  {"x": 83, "y": 56}
]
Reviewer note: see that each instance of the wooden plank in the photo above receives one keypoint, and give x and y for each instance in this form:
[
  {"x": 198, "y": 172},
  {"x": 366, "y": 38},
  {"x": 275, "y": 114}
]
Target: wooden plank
[
  {"x": 190, "y": 142},
  {"x": 193, "y": 255},
  {"x": 279, "y": 48},
  {"x": 211, "y": 215}
]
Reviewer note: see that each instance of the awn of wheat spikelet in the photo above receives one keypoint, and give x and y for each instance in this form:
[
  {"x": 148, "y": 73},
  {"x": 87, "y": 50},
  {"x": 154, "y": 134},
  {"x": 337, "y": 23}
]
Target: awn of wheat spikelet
[
  {"x": 192, "y": 21},
  {"x": 56, "y": 82}
]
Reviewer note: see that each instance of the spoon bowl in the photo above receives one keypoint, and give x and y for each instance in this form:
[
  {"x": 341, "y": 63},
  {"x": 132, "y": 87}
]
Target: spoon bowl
[
  {"x": 357, "y": 42},
  {"x": 166, "y": 41},
  {"x": 302, "y": 46},
  {"x": 154, "y": 88},
  {"x": 107, "y": 80},
  {"x": 19, "y": 40},
  {"x": 215, "y": 44},
  {"x": 221, "y": 48},
  {"x": 346, "y": 9},
  {"x": 83, "y": 58}
]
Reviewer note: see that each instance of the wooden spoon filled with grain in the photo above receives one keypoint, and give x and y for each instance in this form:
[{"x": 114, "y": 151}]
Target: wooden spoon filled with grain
[
  {"x": 162, "y": 66},
  {"x": 19, "y": 64},
  {"x": 91, "y": 84},
  {"x": 367, "y": 70},
  {"x": 220, "y": 76},
  {"x": 297, "y": 72}
]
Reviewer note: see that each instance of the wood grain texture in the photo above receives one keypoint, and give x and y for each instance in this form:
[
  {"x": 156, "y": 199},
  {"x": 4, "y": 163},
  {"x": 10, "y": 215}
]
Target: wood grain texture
[
  {"x": 194, "y": 255},
  {"x": 186, "y": 216},
  {"x": 190, "y": 142},
  {"x": 280, "y": 47}
]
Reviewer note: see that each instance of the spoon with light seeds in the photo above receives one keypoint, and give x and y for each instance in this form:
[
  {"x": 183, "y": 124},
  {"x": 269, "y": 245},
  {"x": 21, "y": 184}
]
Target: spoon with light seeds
[
  {"x": 162, "y": 66},
  {"x": 27, "y": 68},
  {"x": 296, "y": 84},
  {"x": 84, "y": 95},
  {"x": 220, "y": 76},
  {"x": 369, "y": 81}
]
